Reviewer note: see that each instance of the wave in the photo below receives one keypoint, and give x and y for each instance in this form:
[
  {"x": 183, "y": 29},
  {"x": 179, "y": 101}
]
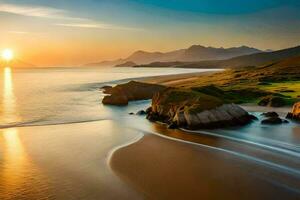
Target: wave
[
  {"x": 48, "y": 123},
  {"x": 278, "y": 146}
]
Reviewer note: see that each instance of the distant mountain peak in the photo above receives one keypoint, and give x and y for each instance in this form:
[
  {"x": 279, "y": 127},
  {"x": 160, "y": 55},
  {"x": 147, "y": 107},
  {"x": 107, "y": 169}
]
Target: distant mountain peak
[
  {"x": 140, "y": 52},
  {"x": 191, "y": 54},
  {"x": 196, "y": 47}
]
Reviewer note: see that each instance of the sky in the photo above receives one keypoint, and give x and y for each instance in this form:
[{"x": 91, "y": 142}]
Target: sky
[{"x": 69, "y": 33}]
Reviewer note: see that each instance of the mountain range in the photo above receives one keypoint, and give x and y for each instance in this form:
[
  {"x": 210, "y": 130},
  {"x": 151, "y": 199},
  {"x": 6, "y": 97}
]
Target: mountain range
[
  {"x": 256, "y": 59},
  {"x": 192, "y": 54}
]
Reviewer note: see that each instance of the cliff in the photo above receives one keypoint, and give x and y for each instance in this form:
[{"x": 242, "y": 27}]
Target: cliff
[
  {"x": 295, "y": 114},
  {"x": 131, "y": 91},
  {"x": 194, "y": 110}
]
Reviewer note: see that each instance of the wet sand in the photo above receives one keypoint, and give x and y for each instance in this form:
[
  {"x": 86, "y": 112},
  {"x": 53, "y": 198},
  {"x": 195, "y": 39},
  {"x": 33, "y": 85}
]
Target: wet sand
[
  {"x": 218, "y": 168},
  {"x": 161, "y": 168},
  {"x": 65, "y": 162}
]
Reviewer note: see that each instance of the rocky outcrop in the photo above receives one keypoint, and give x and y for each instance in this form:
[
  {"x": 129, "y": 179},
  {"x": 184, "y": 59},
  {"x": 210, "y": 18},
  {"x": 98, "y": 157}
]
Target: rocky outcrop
[
  {"x": 117, "y": 97},
  {"x": 270, "y": 114},
  {"x": 194, "y": 110},
  {"x": 141, "y": 112},
  {"x": 121, "y": 94},
  {"x": 106, "y": 89},
  {"x": 272, "y": 118},
  {"x": 295, "y": 114}
]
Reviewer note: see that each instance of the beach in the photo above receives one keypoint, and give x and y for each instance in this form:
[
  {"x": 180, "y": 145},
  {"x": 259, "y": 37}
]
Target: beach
[
  {"x": 166, "y": 169},
  {"x": 148, "y": 99},
  {"x": 181, "y": 164},
  {"x": 66, "y": 144},
  {"x": 56, "y": 138}
]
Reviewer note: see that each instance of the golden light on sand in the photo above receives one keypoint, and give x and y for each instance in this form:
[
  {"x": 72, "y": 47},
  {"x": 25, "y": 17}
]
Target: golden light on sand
[{"x": 7, "y": 54}]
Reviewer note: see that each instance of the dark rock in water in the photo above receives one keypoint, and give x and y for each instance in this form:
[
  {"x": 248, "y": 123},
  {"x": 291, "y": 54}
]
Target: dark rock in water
[
  {"x": 272, "y": 101},
  {"x": 289, "y": 116},
  {"x": 131, "y": 113},
  {"x": 273, "y": 120},
  {"x": 194, "y": 110},
  {"x": 295, "y": 114},
  {"x": 106, "y": 89},
  {"x": 118, "y": 100},
  {"x": 270, "y": 114},
  {"x": 148, "y": 110},
  {"x": 172, "y": 126},
  {"x": 131, "y": 91},
  {"x": 252, "y": 117},
  {"x": 141, "y": 112}
]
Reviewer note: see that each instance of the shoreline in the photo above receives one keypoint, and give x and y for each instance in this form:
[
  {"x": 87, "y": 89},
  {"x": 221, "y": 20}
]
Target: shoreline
[
  {"x": 154, "y": 160},
  {"x": 195, "y": 171}
]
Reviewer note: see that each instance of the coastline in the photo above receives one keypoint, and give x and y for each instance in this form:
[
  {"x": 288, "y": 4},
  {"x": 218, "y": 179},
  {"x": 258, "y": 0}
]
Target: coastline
[
  {"x": 191, "y": 171},
  {"x": 63, "y": 155},
  {"x": 31, "y": 149},
  {"x": 194, "y": 165}
]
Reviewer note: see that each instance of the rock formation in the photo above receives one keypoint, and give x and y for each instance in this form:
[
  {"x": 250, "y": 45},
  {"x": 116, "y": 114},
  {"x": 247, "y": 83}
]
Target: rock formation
[
  {"x": 195, "y": 110},
  {"x": 270, "y": 114},
  {"x": 141, "y": 112},
  {"x": 272, "y": 118},
  {"x": 131, "y": 91},
  {"x": 295, "y": 114}
]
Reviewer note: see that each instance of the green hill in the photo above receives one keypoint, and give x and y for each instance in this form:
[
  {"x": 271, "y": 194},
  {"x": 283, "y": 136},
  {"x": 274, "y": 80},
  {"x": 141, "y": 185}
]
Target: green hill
[{"x": 249, "y": 84}]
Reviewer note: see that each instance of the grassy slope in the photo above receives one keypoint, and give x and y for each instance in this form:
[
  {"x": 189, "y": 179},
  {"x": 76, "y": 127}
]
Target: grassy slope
[{"x": 252, "y": 83}]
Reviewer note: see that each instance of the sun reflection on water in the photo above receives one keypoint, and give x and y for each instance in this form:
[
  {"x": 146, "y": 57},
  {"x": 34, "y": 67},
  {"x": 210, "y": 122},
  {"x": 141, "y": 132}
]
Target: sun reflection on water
[
  {"x": 9, "y": 112},
  {"x": 14, "y": 156}
]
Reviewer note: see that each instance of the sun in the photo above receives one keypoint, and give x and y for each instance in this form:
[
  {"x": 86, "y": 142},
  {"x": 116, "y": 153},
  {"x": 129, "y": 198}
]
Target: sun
[{"x": 7, "y": 55}]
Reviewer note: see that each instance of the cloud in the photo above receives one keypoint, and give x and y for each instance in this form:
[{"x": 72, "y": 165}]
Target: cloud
[
  {"x": 37, "y": 11},
  {"x": 82, "y": 25},
  {"x": 97, "y": 26},
  {"x": 54, "y": 13},
  {"x": 19, "y": 32}
]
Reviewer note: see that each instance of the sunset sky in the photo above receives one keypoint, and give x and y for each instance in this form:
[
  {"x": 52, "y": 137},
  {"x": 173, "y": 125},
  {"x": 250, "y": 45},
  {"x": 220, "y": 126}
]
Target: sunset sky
[{"x": 64, "y": 33}]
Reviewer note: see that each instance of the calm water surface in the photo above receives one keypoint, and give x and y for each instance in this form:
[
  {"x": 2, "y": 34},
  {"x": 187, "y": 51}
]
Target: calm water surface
[{"x": 56, "y": 136}]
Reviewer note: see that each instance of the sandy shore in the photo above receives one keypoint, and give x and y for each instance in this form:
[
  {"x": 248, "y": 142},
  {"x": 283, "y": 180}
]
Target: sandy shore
[{"x": 161, "y": 168}]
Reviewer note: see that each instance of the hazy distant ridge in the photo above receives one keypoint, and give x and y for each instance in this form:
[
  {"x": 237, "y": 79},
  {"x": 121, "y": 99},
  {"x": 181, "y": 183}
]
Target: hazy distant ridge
[
  {"x": 191, "y": 54},
  {"x": 256, "y": 59}
]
